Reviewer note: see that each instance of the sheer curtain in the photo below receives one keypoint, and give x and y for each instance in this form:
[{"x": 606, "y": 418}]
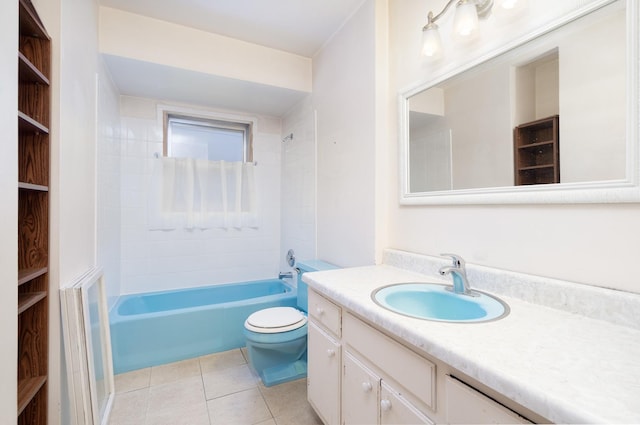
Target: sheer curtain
[{"x": 200, "y": 194}]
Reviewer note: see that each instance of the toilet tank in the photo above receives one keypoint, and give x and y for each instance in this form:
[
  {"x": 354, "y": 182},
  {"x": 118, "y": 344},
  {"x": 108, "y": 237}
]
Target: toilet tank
[{"x": 308, "y": 266}]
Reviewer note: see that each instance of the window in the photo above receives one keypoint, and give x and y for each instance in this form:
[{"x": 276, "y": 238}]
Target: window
[{"x": 210, "y": 139}]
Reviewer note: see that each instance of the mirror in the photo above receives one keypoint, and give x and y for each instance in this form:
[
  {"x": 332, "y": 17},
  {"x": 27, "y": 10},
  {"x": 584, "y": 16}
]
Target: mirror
[{"x": 553, "y": 119}]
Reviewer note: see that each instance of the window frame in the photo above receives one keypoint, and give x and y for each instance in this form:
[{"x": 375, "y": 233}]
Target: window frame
[{"x": 213, "y": 121}]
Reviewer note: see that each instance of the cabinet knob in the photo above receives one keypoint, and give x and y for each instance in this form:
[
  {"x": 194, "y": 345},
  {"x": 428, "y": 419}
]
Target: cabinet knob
[
  {"x": 320, "y": 311},
  {"x": 385, "y": 405},
  {"x": 367, "y": 387},
  {"x": 331, "y": 353}
]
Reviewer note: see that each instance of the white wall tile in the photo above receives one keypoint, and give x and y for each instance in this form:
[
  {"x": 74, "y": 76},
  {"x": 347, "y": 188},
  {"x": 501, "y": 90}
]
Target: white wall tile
[{"x": 160, "y": 260}]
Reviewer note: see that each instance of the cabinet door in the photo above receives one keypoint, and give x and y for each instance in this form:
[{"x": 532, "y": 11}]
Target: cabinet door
[
  {"x": 323, "y": 375},
  {"x": 395, "y": 409},
  {"x": 360, "y": 393}
]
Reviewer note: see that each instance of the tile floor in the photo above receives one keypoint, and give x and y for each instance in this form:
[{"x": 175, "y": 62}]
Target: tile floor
[{"x": 218, "y": 388}]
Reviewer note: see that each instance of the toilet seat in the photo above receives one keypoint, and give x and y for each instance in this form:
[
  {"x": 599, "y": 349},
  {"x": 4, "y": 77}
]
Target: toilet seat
[{"x": 275, "y": 320}]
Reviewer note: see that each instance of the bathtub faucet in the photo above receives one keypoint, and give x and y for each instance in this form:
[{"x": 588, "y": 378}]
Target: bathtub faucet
[{"x": 285, "y": 275}]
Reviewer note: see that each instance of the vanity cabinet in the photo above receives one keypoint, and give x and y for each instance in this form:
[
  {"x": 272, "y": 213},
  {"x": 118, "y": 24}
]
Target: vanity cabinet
[
  {"x": 324, "y": 358},
  {"x": 359, "y": 375},
  {"x": 536, "y": 152}
]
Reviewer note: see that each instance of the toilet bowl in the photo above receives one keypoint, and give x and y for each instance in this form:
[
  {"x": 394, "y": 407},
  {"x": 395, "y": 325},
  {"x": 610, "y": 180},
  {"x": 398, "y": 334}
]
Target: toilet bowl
[{"x": 276, "y": 338}]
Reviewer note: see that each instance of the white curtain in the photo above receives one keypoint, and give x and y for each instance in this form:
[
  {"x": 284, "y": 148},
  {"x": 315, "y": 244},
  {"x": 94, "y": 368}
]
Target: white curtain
[{"x": 196, "y": 193}]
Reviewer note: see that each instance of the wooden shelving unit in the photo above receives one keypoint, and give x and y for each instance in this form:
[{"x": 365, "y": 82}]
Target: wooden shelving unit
[
  {"x": 34, "y": 62},
  {"x": 536, "y": 152}
]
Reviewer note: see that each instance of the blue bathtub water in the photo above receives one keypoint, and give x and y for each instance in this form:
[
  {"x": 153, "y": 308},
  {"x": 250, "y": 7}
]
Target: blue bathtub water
[{"x": 161, "y": 327}]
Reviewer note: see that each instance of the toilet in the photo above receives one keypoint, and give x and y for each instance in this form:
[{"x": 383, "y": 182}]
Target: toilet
[{"x": 276, "y": 337}]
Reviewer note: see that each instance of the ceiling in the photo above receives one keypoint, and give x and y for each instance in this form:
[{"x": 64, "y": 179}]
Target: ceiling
[{"x": 295, "y": 26}]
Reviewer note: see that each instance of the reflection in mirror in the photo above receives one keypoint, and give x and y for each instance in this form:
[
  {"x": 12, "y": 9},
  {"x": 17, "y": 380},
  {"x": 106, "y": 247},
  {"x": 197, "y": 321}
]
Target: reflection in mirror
[{"x": 553, "y": 110}]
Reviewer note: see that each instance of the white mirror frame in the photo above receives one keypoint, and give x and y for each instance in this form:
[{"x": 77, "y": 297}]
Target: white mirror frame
[{"x": 610, "y": 191}]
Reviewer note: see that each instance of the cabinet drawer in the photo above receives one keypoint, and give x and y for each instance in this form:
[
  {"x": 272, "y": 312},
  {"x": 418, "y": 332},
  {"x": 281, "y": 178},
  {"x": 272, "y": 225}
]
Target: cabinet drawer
[
  {"x": 326, "y": 313},
  {"x": 467, "y": 405},
  {"x": 413, "y": 372}
]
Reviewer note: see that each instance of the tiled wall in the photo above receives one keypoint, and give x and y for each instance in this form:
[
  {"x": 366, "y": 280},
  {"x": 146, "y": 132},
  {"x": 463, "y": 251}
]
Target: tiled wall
[
  {"x": 299, "y": 183},
  {"x": 159, "y": 260}
]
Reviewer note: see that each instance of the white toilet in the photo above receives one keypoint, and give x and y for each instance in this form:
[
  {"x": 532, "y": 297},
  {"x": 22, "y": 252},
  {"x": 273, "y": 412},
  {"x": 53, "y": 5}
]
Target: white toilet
[{"x": 276, "y": 337}]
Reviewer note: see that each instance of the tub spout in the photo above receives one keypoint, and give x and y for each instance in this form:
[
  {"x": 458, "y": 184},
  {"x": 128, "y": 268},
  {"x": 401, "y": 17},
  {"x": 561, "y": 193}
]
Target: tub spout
[{"x": 288, "y": 275}]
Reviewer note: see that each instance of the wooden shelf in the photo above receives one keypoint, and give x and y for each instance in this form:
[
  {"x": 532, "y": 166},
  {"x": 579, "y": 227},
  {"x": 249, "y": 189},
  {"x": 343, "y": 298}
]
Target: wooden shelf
[
  {"x": 27, "y": 390},
  {"x": 536, "y": 145},
  {"x": 28, "y": 299},
  {"x": 536, "y": 152},
  {"x": 27, "y": 275},
  {"x": 29, "y": 125},
  {"x": 29, "y": 73},
  {"x": 30, "y": 23},
  {"x": 536, "y": 167},
  {"x": 34, "y": 187},
  {"x": 34, "y": 112}
]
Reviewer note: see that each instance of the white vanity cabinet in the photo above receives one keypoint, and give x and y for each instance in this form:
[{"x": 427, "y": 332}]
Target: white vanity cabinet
[
  {"x": 358, "y": 375},
  {"x": 324, "y": 358}
]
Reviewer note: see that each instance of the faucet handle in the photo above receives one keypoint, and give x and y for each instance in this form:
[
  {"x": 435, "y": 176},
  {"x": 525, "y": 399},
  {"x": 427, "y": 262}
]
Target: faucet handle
[{"x": 457, "y": 260}]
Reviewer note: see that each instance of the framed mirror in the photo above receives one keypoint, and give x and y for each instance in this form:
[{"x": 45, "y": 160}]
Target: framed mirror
[{"x": 550, "y": 118}]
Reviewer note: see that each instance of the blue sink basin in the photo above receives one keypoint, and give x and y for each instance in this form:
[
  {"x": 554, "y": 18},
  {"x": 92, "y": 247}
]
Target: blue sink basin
[{"x": 433, "y": 301}]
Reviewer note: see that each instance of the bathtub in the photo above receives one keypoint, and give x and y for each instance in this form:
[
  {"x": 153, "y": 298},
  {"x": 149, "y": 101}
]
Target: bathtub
[{"x": 154, "y": 328}]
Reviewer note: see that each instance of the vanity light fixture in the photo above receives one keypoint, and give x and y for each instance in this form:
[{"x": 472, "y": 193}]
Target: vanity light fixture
[{"x": 465, "y": 22}]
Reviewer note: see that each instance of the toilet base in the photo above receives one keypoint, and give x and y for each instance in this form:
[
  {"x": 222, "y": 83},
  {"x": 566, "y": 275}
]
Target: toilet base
[{"x": 284, "y": 373}]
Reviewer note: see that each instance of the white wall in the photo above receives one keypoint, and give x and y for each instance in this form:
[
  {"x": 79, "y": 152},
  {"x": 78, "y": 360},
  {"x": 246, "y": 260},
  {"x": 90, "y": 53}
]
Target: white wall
[
  {"x": 591, "y": 244},
  {"x": 150, "y": 40},
  {"x": 298, "y": 195},
  {"x": 73, "y": 27},
  {"x": 344, "y": 89},
  {"x": 477, "y": 109},
  {"x": 598, "y": 81},
  {"x": 160, "y": 260},
  {"x": 8, "y": 210}
]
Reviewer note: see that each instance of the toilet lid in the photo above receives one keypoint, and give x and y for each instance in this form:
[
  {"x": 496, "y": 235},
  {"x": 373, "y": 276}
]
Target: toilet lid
[{"x": 275, "y": 319}]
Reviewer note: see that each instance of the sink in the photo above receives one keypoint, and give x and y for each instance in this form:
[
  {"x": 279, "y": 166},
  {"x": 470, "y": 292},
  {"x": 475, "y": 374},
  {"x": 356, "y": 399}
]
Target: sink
[{"x": 434, "y": 301}]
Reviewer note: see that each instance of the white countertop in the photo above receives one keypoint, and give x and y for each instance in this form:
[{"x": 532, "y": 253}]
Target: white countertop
[{"x": 566, "y": 367}]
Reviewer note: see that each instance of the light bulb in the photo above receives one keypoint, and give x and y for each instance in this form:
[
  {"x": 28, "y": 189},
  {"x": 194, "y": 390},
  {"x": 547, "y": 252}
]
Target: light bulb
[
  {"x": 431, "y": 42},
  {"x": 465, "y": 22}
]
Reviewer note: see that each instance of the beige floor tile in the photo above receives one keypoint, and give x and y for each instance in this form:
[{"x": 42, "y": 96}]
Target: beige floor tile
[
  {"x": 286, "y": 397},
  {"x": 218, "y": 361},
  {"x": 186, "y": 415},
  {"x": 134, "y": 380},
  {"x": 176, "y": 395},
  {"x": 222, "y": 382},
  {"x": 245, "y": 407},
  {"x": 175, "y": 371},
  {"x": 298, "y": 415},
  {"x": 129, "y": 408},
  {"x": 268, "y": 422}
]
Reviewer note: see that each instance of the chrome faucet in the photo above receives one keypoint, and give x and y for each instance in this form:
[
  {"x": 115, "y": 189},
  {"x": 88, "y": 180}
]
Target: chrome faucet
[
  {"x": 458, "y": 274},
  {"x": 282, "y": 275}
]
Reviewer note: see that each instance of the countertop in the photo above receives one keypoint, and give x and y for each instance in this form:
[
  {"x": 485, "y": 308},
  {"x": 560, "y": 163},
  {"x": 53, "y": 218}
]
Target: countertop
[{"x": 566, "y": 367}]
